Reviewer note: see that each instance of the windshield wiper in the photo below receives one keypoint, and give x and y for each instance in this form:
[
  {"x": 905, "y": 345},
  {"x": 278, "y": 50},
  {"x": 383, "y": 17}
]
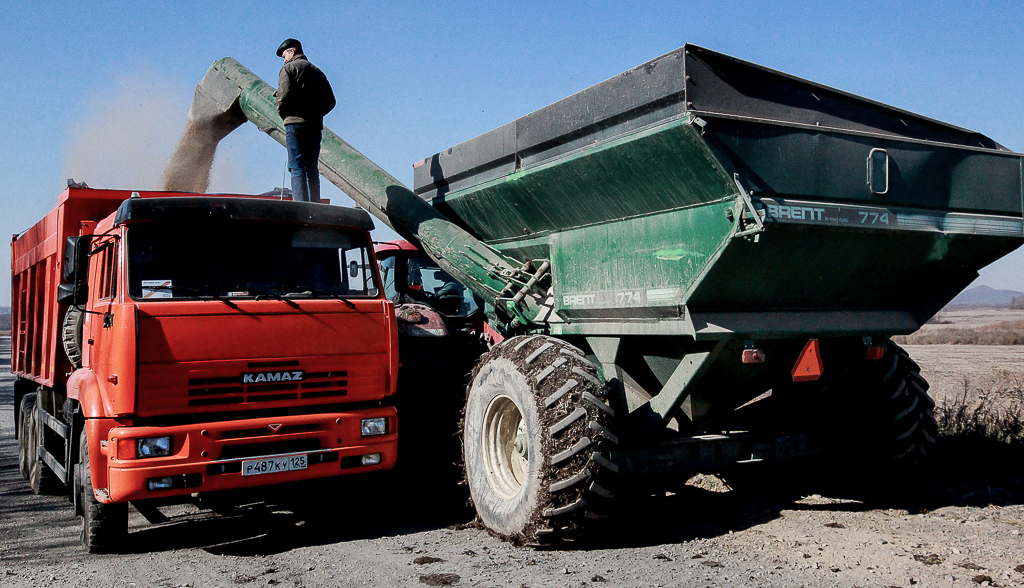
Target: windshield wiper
[
  {"x": 320, "y": 292},
  {"x": 274, "y": 295},
  {"x": 194, "y": 291}
]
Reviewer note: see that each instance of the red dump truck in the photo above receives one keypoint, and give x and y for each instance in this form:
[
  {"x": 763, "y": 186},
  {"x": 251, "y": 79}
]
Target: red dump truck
[{"x": 167, "y": 344}]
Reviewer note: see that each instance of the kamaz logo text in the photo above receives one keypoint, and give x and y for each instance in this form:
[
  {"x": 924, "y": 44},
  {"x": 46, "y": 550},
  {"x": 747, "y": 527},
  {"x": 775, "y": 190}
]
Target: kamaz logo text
[
  {"x": 272, "y": 377},
  {"x": 795, "y": 212}
]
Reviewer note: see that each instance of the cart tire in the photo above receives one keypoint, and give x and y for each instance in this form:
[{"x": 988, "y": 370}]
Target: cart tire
[
  {"x": 537, "y": 441},
  {"x": 26, "y": 434},
  {"x": 104, "y": 526},
  {"x": 71, "y": 335},
  {"x": 898, "y": 414}
]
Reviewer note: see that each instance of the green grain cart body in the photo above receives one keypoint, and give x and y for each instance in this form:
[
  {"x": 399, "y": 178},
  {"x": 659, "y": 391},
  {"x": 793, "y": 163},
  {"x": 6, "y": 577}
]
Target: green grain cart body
[
  {"x": 728, "y": 246},
  {"x": 632, "y": 188}
]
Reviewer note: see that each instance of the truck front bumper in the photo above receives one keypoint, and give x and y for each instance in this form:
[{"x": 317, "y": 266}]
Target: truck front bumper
[{"x": 206, "y": 457}]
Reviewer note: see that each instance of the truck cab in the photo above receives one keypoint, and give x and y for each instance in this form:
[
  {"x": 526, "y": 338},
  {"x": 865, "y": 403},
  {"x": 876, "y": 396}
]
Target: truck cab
[{"x": 216, "y": 342}]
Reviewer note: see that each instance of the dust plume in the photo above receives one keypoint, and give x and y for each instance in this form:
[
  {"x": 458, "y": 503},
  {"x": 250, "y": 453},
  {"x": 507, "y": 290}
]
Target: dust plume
[{"x": 127, "y": 136}]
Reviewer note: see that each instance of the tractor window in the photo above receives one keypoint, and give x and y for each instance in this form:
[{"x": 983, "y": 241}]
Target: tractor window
[
  {"x": 239, "y": 259},
  {"x": 431, "y": 284},
  {"x": 387, "y": 274}
]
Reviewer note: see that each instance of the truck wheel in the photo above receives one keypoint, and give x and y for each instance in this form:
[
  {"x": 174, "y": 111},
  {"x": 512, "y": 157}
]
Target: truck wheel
[
  {"x": 104, "y": 526},
  {"x": 536, "y": 441},
  {"x": 71, "y": 335},
  {"x": 26, "y": 435},
  {"x": 42, "y": 480}
]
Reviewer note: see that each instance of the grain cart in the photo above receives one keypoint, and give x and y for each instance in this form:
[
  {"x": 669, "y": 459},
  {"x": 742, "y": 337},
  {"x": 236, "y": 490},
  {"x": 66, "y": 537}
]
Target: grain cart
[
  {"x": 666, "y": 246},
  {"x": 167, "y": 344}
]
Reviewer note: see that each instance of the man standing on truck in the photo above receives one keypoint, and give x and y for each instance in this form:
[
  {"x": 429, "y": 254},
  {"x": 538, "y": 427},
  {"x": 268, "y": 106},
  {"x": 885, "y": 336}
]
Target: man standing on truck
[{"x": 304, "y": 96}]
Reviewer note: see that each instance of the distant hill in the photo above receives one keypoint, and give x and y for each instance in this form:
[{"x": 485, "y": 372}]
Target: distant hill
[
  {"x": 5, "y": 310},
  {"x": 984, "y": 297}
]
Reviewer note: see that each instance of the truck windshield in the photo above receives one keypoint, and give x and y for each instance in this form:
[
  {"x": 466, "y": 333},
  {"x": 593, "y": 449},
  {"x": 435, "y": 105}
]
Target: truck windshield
[{"x": 248, "y": 259}]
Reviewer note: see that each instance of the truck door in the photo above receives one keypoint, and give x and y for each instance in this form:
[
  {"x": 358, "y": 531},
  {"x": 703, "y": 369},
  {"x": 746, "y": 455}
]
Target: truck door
[{"x": 110, "y": 327}]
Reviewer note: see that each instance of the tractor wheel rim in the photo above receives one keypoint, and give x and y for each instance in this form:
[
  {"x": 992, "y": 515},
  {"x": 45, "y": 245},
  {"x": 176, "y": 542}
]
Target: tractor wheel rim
[{"x": 506, "y": 448}]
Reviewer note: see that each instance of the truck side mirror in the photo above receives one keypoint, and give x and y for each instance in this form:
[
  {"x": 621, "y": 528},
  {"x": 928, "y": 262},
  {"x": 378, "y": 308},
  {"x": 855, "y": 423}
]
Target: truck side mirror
[
  {"x": 76, "y": 259},
  {"x": 69, "y": 294},
  {"x": 76, "y": 271}
]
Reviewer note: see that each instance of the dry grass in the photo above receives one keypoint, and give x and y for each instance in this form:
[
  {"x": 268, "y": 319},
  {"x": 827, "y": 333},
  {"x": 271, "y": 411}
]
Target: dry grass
[
  {"x": 1005, "y": 333},
  {"x": 992, "y": 411}
]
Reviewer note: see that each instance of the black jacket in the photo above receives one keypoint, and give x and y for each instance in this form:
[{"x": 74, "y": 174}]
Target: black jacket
[{"x": 303, "y": 93}]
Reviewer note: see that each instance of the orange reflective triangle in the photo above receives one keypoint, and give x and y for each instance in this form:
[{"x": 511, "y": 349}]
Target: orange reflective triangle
[{"x": 808, "y": 366}]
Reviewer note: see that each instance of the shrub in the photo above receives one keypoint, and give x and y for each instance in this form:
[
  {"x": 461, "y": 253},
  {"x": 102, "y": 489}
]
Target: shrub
[{"x": 995, "y": 413}]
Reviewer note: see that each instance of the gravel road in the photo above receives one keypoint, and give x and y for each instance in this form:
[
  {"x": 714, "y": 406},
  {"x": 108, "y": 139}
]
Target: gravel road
[{"x": 963, "y": 526}]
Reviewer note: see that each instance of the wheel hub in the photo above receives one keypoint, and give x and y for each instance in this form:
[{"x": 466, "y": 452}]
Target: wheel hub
[{"x": 506, "y": 446}]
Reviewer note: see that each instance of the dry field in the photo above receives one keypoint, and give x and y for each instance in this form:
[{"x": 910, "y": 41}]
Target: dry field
[{"x": 961, "y": 525}]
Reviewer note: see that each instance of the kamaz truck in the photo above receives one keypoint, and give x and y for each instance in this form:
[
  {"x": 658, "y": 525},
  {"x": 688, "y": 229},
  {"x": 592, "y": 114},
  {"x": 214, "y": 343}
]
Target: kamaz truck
[{"x": 169, "y": 344}]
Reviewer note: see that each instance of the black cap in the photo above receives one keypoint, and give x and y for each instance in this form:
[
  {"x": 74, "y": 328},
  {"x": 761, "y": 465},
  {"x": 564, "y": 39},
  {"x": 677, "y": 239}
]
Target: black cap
[{"x": 288, "y": 44}]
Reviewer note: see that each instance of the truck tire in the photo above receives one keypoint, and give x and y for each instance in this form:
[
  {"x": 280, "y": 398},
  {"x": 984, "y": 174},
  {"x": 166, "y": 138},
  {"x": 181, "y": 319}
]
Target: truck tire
[
  {"x": 42, "y": 480},
  {"x": 26, "y": 435},
  {"x": 104, "y": 526},
  {"x": 71, "y": 335},
  {"x": 536, "y": 441}
]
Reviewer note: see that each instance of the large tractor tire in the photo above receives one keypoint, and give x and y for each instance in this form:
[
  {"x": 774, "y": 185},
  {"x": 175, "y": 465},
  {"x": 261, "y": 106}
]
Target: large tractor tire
[
  {"x": 26, "y": 435},
  {"x": 71, "y": 335},
  {"x": 886, "y": 424},
  {"x": 536, "y": 441},
  {"x": 104, "y": 526},
  {"x": 906, "y": 421},
  {"x": 40, "y": 478}
]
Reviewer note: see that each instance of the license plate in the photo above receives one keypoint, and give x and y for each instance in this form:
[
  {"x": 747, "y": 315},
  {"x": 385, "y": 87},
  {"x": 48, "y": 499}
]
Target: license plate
[{"x": 273, "y": 465}]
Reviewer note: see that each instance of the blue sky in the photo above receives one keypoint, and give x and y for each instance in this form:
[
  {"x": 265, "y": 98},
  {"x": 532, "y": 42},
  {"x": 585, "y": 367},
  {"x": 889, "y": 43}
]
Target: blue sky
[{"x": 99, "y": 91}]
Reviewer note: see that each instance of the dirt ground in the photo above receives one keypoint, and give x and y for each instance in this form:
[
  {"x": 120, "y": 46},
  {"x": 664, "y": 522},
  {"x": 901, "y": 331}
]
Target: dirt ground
[{"x": 962, "y": 525}]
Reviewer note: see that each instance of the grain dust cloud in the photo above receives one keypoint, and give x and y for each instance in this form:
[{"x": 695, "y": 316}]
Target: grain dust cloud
[{"x": 129, "y": 132}]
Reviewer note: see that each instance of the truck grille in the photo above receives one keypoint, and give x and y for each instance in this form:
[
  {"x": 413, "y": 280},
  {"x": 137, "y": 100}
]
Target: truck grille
[
  {"x": 271, "y": 448},
  {"x": 229, "y": 390}
]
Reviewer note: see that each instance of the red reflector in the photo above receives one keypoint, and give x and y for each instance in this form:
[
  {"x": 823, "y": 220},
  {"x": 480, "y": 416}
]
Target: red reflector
[
  {"x": 753, "y": 356},
  {"x": 875, "y": 352},
  {"x": 808, "y": 366}
]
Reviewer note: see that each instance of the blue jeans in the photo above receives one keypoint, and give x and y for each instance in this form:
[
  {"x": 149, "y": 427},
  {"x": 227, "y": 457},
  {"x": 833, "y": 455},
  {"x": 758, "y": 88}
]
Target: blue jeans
[{"x": 303, "y": 142}]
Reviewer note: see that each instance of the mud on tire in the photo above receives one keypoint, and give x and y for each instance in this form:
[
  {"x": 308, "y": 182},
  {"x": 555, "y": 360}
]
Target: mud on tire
[{"x": 536, "y": 441}]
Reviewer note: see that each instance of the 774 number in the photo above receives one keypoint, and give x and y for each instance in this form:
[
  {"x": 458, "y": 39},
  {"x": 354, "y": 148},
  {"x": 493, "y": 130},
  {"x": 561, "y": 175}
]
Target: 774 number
[{"x": 874, "y": 217}]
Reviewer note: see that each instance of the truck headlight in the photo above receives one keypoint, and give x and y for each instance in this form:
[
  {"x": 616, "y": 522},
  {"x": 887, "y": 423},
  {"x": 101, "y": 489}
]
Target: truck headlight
[
  {"x": 370, "y": 427},
  {"x": 153, "y": 447}
]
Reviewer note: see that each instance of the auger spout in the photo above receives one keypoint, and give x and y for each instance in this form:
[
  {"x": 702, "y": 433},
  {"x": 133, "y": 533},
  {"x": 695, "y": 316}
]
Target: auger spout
[{"x": 230, "y": 94}]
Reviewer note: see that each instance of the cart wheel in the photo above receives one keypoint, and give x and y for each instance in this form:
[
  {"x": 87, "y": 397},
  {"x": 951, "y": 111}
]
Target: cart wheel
[
  {"x": 104, "y": 526},
  {"x": 26, "y": 434},
  {"x": 894, "y": 412},
  {"x": 536, "y": 441},
  {"x": 912, "y": 427}
]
